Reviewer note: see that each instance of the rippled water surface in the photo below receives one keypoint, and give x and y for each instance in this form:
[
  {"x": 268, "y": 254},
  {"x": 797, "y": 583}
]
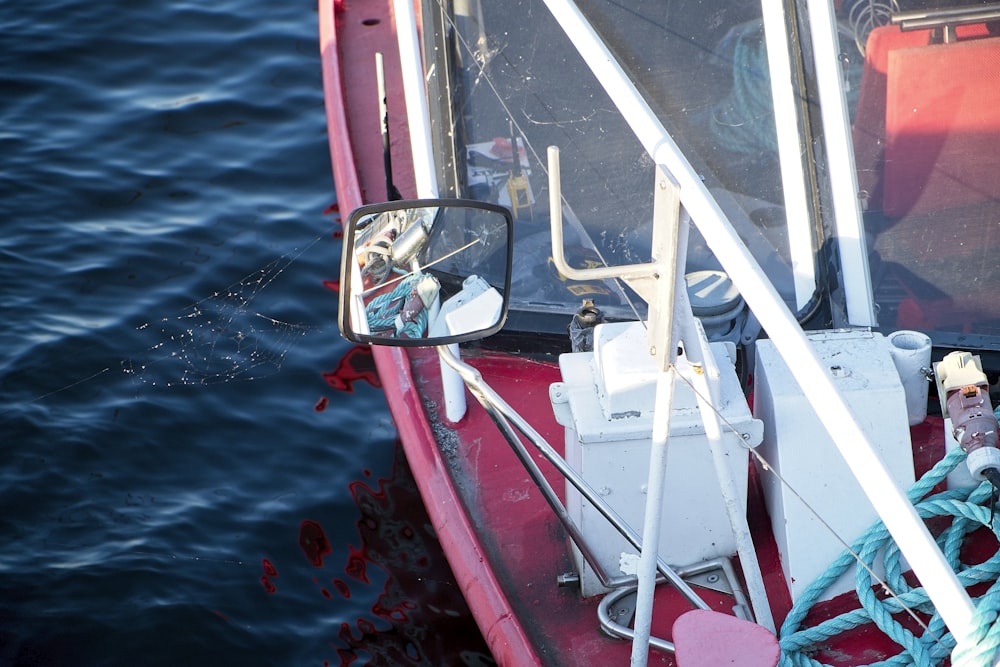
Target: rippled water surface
[{"x": 194, "y": 467}]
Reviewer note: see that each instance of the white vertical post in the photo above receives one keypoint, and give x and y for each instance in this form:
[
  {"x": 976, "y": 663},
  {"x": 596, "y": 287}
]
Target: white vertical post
[
  {"x": 411, "y": 64},
  {"x": 839, "y": 148},
  {"x": 646, "y": 572},
  {"x": 790, "y": 143},
  {"x": 424, "y": 169}
]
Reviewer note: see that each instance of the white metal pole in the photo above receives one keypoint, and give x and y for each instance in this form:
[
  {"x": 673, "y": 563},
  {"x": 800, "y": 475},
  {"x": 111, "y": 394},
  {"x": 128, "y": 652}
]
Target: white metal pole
[
  {"x": 840, "y": 160},
  {"x": 790, "y": 143},
  {"x": 411, "y": 64},
  {"x": 646, "y": 572},
  {"x": 424, "y": 170}
]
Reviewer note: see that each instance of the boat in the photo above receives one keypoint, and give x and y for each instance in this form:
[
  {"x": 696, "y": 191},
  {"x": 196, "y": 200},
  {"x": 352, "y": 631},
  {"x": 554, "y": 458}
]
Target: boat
[{"x": 685, "y": 314}]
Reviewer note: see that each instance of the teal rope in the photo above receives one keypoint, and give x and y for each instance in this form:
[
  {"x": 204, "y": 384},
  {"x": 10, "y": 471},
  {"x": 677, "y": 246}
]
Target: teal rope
[
  {"x": 383, "y": 309},
  {"x": 936, "y": 643}
]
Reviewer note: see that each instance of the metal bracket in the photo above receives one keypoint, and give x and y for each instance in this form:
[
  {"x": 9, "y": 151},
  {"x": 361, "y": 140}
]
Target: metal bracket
[{"x": 653, "y": 281}]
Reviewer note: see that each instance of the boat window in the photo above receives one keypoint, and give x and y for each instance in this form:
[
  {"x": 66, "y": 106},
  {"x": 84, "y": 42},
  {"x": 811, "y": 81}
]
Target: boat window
[
  {"x": 927, "y": 147},
  {"x": 509, "y": 82}
]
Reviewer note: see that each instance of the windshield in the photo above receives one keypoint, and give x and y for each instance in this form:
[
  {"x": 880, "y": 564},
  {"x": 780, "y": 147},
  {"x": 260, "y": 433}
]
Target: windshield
[
  {"x": 513, "y": 78},
  {"x": 927, "y": 145},
  {"x": 922, "y": 99}
]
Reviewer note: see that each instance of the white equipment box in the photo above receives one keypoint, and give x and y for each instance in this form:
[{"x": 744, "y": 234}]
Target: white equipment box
[
  {"x": 801, "y": 451},
  {"x": 606, "y": 404}
]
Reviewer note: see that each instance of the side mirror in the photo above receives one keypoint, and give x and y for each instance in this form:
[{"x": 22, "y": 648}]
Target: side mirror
[{"x": 425, "y": 272}]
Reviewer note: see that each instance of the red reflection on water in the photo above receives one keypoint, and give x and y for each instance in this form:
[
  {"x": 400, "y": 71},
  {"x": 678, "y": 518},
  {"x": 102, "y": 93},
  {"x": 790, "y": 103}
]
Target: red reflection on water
[
  {"x": 334, "y": 209},
  {"x": 357, "y": 364},
  {"x": 332, "y": 285},
  {"x": 342, "y": 588},
  {"x": 268, "y": 584},
  {"x": 420, "y": 617},
  {"x": 313, "y": 541},
  {"x": 357, "y": 567},
  {"x": 321, "y": 404},
  {"x": 269, "y": 569}
]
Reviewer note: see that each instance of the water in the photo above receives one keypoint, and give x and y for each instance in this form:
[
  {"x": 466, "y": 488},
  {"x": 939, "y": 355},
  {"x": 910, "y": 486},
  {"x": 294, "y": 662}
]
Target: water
[{"x": 180, "y": 480}]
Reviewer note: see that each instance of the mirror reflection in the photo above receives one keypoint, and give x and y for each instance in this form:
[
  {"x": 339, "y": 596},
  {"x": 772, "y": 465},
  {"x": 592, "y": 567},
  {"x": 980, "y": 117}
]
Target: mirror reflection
[{"x": 425, "y": 272}]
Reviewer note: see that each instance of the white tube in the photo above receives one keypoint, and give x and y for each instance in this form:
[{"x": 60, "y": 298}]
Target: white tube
[
  {"x": 411, "y": 65},
  {"x": 901, "y": 519},
  {"x": 646, "y": 573},
  {"x": 706, "y": 385},
  {"x": 839, "y": 148},
  {"x": 911, "y": 353},
  {"x": 424, "y": 170},
  {"x": 790, "y": 142}
]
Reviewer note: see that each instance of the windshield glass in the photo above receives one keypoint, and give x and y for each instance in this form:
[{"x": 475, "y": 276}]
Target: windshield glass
[
  {"x": 509, "y": 82},
  {"x": 927, "y": 148}
]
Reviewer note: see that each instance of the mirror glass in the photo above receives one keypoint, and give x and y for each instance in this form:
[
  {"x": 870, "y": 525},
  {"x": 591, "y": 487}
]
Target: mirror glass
[{"x": 425, "y": 272}]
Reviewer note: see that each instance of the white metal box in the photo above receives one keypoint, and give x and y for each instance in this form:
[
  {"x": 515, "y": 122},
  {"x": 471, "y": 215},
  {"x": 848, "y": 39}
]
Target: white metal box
[
  {"x": 801, "y": 451},
  {"x": 606, "y": 404}
]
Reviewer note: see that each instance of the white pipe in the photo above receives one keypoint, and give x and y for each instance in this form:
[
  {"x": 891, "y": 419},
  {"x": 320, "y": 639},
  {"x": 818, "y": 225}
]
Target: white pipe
[
  {"x": 892, "y": 506},
  {"x": 411, "y": 66},
  {"x": 424, "y": 170},
  {"x": 911, "y": 354},
  {"x": 646, "y": 571},
  {"x": 706, "y": 385},
  {"x": 840, "y": 161},
  {"x": 790, "y": 142}
]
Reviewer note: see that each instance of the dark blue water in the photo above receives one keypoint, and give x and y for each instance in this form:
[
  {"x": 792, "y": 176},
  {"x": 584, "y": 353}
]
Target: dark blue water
[{"x": 180, "y": 480}]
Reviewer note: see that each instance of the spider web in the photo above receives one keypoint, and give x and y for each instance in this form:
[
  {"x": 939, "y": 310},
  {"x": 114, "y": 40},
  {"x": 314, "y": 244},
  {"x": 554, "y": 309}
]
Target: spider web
[{"x": 221, "y": 338}]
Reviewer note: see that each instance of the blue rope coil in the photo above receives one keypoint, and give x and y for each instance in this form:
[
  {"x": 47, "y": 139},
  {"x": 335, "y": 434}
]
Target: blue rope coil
[
  {"x": 384, "y": 308},
  {"x": 930, "y": 649}
]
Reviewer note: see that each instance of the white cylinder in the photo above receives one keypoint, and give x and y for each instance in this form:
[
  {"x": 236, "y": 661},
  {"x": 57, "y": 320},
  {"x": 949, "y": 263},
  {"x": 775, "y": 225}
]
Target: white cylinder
[{"x": 911, "y": 352}]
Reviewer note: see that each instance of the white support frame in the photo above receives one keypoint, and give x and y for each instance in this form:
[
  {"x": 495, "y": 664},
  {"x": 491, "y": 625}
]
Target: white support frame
[
  {"x": 790, "y": 144},
  {"x": 896, "y": 511},
  {"x": 890, "y": 502},
  {"x": 855, "y": 273}
]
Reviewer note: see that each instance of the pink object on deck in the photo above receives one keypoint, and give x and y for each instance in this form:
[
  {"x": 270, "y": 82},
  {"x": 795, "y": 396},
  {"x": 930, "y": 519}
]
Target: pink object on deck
[{"x": 712, "y": 639}]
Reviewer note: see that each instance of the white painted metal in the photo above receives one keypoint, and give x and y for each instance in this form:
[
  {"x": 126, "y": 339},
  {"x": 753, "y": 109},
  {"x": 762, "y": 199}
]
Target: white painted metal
[
  {"x": 910, "y": 533},
  {"x": 424, "y": 169},
  {"x": 411, "y": 62},
  {"x": 653, "y": 519},
  {"x": 803, "y": 454},
  {"x": 840, "y": 160},
  {"x": 790, "y": 147},
  {"x": 707, "y": 386},
  {"x": 611, "y": 401}
]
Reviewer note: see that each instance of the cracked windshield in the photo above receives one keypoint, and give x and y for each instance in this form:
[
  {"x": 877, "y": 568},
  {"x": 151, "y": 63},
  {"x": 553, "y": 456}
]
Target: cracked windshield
[{"x": 513, "y": 84}]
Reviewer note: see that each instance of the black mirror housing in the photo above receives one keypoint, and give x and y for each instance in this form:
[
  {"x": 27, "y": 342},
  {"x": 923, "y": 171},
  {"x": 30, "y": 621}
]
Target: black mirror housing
[{"x": 425, "y": 272}]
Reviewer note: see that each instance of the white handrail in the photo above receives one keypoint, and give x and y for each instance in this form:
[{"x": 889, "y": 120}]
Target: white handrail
[{"x": 899, "y": 516}]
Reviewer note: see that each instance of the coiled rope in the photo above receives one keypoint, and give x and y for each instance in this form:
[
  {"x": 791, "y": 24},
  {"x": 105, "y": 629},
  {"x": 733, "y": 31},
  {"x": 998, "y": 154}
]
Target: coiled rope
[
  {"x": 743, "y": 121},
  {"x": 383, "y": 310},
  {"x": 936, "y": 643}
]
